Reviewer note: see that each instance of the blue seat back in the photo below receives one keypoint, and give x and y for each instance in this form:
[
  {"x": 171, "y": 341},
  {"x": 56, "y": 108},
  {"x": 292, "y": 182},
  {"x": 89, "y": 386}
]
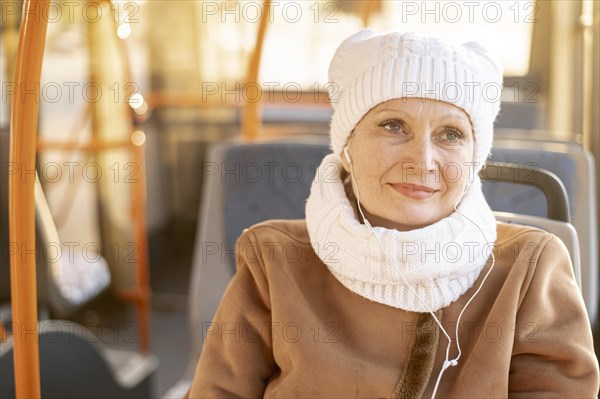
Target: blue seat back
[
  {"x": 525, "y": 199},
  {"x": 576, "y": 169},
  {"x": 266, "y": 181}
]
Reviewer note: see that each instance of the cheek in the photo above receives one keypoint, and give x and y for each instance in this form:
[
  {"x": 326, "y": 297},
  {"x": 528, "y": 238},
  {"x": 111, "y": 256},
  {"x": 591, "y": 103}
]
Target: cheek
[
  {"x": 370, "y": 159},
  {"x": 453, "y": 174},
  {"x": 374, "y": 165},
  {"x": 369, "y": 172},
  {"x": 456, "y": 171}
]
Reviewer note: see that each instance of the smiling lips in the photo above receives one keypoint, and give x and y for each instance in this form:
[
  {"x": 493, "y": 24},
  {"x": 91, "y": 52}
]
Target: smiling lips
[{"x": 414, "y": 191}]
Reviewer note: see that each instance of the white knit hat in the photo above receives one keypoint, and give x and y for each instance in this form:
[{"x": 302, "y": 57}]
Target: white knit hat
[{"x": 368, "y": 69}]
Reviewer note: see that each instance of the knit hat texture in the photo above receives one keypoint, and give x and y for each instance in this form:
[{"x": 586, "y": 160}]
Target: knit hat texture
[{"x": 370, "y": 68}]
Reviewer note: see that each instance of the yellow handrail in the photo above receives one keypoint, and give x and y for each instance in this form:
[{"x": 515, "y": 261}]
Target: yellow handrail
[
  {"x": 367, "y": 9},
  {"x": 586, "y": 20},
  {"x": 252, "y": 119},
  {"x": 24, "y": 118}
]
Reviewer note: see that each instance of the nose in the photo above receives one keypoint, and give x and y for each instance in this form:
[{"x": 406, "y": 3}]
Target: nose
[{"x": 421, "y": 154}]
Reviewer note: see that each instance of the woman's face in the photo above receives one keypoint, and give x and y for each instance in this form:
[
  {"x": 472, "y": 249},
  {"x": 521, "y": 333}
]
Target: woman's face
[{"x": 412, "y": 160}]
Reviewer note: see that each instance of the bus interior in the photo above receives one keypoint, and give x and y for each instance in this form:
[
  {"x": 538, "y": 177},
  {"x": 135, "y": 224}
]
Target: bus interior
[{"x": 139, "y": 138}]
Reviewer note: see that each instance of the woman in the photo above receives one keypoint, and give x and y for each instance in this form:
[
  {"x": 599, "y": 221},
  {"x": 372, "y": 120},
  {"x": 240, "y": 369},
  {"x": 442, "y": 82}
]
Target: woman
[{"x": 401, "y": 283}]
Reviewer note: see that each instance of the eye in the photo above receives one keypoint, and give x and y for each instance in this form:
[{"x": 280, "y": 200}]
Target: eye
[
  {"x": 453, "y": 135},
  {"x": 393, "y": 125}
]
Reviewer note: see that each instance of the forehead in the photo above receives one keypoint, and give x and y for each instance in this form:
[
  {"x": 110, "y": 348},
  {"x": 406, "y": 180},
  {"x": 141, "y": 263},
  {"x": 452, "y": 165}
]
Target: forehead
[{"x": 419, "y": 107}]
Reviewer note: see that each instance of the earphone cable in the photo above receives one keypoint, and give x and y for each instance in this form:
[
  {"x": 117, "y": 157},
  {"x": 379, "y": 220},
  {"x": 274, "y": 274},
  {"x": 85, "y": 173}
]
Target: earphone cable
[{"x": 447, "y": 362}]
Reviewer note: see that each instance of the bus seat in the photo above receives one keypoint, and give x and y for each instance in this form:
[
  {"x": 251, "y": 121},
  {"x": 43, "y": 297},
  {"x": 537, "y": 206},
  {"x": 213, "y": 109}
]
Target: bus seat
[
  {"x": 283, "y": 170},
  {"x": 576, "y": 169},
  {"x": 72, "y": 279},
  {"x": 66, "y": 281},
  {"x": 73, "y": 364},
  {"x": 243, "y": 184},
  {"x": 558, "y": 220},
  {"x": 231, "y": 203}
]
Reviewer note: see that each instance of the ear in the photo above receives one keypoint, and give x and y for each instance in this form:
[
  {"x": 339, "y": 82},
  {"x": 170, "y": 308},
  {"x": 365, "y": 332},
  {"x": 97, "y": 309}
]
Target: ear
[
  {"x": 344, "y": 156},
  {"x": 345, "y": 163}
]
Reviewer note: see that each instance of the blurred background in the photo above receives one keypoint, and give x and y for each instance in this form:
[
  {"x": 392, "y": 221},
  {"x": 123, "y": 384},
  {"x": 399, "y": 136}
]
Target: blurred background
[{"x": 171, "y": 78}]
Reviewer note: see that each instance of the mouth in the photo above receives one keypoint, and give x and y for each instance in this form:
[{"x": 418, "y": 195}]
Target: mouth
[{"x": 414, "y": 191}]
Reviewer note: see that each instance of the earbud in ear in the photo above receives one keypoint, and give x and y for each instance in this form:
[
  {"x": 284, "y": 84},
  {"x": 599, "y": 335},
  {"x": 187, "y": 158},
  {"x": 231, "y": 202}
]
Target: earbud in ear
[{"x": 347, "y": 155}]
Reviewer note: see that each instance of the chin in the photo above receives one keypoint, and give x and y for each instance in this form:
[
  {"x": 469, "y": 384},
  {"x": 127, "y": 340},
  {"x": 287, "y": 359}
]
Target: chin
[{"x": 416, "y": 217}]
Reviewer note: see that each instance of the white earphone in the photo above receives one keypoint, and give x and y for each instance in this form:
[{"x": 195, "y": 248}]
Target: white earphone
[
  {"x": 447, "y": 361},
  {"x": 347, "y": 155}
]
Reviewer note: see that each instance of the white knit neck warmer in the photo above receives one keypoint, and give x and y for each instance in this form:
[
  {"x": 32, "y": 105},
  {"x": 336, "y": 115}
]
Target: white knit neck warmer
[{"x": 441, "y": 261}]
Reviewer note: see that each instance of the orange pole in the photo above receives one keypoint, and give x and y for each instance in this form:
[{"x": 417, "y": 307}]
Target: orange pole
[
  {"x": 3, "y": 333},
  {"x": 139, "y": 220},
  {"x": 92, "y": 146},
  {"x": 184, "y": 99},
  {"x": 367, "y": 9},
  {"x": 252, "y": 119},
  {"x": 24, "y": 119},
  {"x": 138, "y": 194}
]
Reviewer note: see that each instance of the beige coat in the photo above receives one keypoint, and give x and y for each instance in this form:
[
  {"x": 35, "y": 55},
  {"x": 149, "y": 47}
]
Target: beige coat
[{"x": 286, "y": 328}]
